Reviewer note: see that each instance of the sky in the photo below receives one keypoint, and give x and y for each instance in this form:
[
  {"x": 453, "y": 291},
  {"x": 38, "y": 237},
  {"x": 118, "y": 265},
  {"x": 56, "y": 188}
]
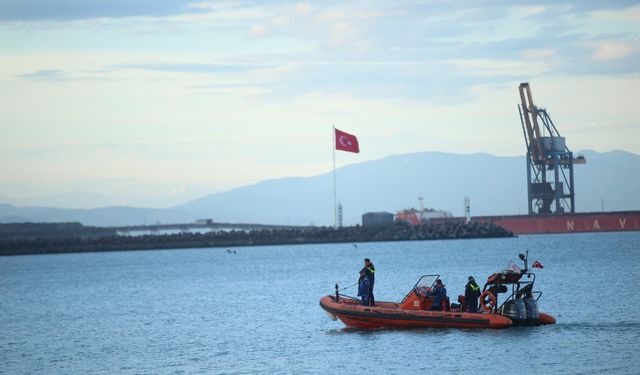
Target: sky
[{"x": 156, "y": 102}]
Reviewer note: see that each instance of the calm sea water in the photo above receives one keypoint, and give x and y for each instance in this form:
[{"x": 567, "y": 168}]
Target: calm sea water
[{"x": 207, "y": 311}]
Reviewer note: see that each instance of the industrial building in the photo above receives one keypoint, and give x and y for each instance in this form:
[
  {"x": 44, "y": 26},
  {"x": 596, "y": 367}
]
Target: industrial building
[{"x": 377, "y": 218}]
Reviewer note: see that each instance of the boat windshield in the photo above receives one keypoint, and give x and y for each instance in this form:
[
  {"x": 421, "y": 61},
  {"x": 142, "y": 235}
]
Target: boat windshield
[{"x": 425, "y": 281}]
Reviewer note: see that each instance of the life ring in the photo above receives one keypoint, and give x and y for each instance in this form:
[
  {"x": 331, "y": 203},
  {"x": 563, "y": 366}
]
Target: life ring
[{"x": 489, "y": 304}]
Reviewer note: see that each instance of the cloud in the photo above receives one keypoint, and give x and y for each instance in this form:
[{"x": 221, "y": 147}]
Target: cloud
[
  {"x": 45, "y": 75},
  {"x": 528, "y": 11},
  {"x": 280, "y": 21},
  {"x": 259, "y": 30},
  {"x": 538, "y": 53},
  {"x": 496, "y": 68},
  {"x": 601, "y": 126},
  {"x": 200, "y": 68},
  {"x": 236, "y": 91},
  {"x": 68, "y": 75},
  {"x": 180, "y": 190},
  {"x": 303, "y": 8},
  {"x": 343, "y": 34},
  {"x": 60, "y": 10},
  {"x": 628, "y": 14},
  {"x": 612, "y": 50}
]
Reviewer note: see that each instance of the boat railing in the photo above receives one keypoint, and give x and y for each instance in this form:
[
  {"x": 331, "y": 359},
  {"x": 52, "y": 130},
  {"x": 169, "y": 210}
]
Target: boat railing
[
  {"x": 521, "y": 288},
  {"x": 517, "y": 288},
  {"x": 344, "y": 296}
]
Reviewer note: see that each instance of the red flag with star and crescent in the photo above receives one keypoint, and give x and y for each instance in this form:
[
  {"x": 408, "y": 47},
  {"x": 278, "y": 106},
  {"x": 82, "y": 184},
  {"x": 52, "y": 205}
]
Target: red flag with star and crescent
[
  {"x": 537, "y": 264},
  {"x": 346, "y": 142}
]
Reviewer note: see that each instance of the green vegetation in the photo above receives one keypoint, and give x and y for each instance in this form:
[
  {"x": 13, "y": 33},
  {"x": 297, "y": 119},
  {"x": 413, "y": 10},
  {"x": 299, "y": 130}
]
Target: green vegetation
[{"x": 395, "y": 232}]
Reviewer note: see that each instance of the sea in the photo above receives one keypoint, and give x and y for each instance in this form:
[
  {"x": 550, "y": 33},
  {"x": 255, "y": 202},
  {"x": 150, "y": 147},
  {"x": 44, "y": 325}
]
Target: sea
[{"x": 256, "y": 311}]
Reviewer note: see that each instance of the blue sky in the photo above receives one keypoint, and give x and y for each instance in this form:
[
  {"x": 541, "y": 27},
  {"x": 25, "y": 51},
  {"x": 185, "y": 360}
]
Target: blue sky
[{"x": 158, "y": 102}]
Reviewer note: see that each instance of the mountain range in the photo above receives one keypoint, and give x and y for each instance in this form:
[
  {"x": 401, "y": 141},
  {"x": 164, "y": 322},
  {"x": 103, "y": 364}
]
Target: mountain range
[{"x": 495, "y": 184}]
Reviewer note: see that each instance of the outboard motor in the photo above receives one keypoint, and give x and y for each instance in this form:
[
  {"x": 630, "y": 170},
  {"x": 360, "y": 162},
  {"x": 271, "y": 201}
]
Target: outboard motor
[
  {"x": 515, "y": 310},
  {"x": 532, "y": 312},
  {"x": 530, "y": 305}
]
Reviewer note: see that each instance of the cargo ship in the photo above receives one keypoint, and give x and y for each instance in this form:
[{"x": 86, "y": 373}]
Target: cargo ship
[{"x": 565, "y": 223}]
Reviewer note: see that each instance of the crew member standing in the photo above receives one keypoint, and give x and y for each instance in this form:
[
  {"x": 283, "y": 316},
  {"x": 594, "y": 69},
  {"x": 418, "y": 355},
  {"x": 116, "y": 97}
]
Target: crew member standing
[
  {"x": 363, "y": 288},
  {"x": 471, "y": 294},
  {"x": 370, "y": 271}
]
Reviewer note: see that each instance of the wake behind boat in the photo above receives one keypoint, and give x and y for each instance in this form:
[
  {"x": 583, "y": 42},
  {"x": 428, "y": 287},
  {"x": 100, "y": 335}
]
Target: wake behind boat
[{"x": 519, "y": 308}]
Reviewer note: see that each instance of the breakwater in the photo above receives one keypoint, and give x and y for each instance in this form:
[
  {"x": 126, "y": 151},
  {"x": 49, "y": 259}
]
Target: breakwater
[
  {"x": 306, "y": 235},
  {"x": 34, "y": 231}
]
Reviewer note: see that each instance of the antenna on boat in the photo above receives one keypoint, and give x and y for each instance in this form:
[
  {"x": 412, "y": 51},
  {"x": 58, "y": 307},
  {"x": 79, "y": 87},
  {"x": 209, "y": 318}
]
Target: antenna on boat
[{"x": 337, "y": 294}]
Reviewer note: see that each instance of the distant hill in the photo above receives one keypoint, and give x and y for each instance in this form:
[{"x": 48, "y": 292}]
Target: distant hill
[
  {"x": 107, "y": 216},
  {"x": 86, "y": 199},
  {"x": 496, "y": 185},
  {"x": 74, "y": 199}
]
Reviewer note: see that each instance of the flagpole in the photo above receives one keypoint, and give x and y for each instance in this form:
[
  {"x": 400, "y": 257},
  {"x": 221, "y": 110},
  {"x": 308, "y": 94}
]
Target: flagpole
[{"x": 335, "y": 213}]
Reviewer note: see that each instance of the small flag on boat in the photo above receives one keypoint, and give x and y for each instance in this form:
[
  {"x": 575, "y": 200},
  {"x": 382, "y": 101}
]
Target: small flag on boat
[
  {"x": 537, "y": 264},
  {"x": 346, "y": 142}
]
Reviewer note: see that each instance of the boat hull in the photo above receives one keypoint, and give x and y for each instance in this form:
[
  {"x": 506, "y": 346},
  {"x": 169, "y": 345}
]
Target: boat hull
[
  {"x": 546, "y": 319},
  {"x": 388, "y": 314}
]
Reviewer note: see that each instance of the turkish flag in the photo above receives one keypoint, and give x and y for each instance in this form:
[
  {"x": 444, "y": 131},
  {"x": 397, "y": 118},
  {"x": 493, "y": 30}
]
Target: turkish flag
[
  {"x": 537, "y": 264},
  {"x": 346, "y": 142}
]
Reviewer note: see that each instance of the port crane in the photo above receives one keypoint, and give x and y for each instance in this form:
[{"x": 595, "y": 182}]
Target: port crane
[{"x": 550, "y": 184}]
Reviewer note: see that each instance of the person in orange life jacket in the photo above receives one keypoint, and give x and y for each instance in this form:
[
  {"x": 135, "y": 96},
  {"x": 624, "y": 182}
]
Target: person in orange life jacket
[
  {"x": 370, "y": 272},
  {"x": 471, "y": 295},
  {"x": 439, "y": 295}
]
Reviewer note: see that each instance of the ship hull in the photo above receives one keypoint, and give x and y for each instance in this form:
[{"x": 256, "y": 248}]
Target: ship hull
[{"x": 567, "y": 223}]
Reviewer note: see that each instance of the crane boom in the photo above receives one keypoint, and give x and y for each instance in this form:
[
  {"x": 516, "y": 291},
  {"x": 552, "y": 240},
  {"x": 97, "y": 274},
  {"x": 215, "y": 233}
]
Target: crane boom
[
  {"x": 530, "y": 113},
  {"x": 546, "y": 152}
]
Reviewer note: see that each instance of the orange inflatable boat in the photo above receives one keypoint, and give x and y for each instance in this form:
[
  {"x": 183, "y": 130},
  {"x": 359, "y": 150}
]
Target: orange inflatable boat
[{"x": 519, "y": 307}]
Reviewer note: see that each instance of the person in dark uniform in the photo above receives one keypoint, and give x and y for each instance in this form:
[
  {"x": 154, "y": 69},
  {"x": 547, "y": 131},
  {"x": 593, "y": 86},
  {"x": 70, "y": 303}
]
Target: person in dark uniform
[
  {"x": 363, "y": 288},
  {"x": 439, "y": 295},
  {"x": 369, "y": 271},
  {"x": 471, "y": 295}
]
